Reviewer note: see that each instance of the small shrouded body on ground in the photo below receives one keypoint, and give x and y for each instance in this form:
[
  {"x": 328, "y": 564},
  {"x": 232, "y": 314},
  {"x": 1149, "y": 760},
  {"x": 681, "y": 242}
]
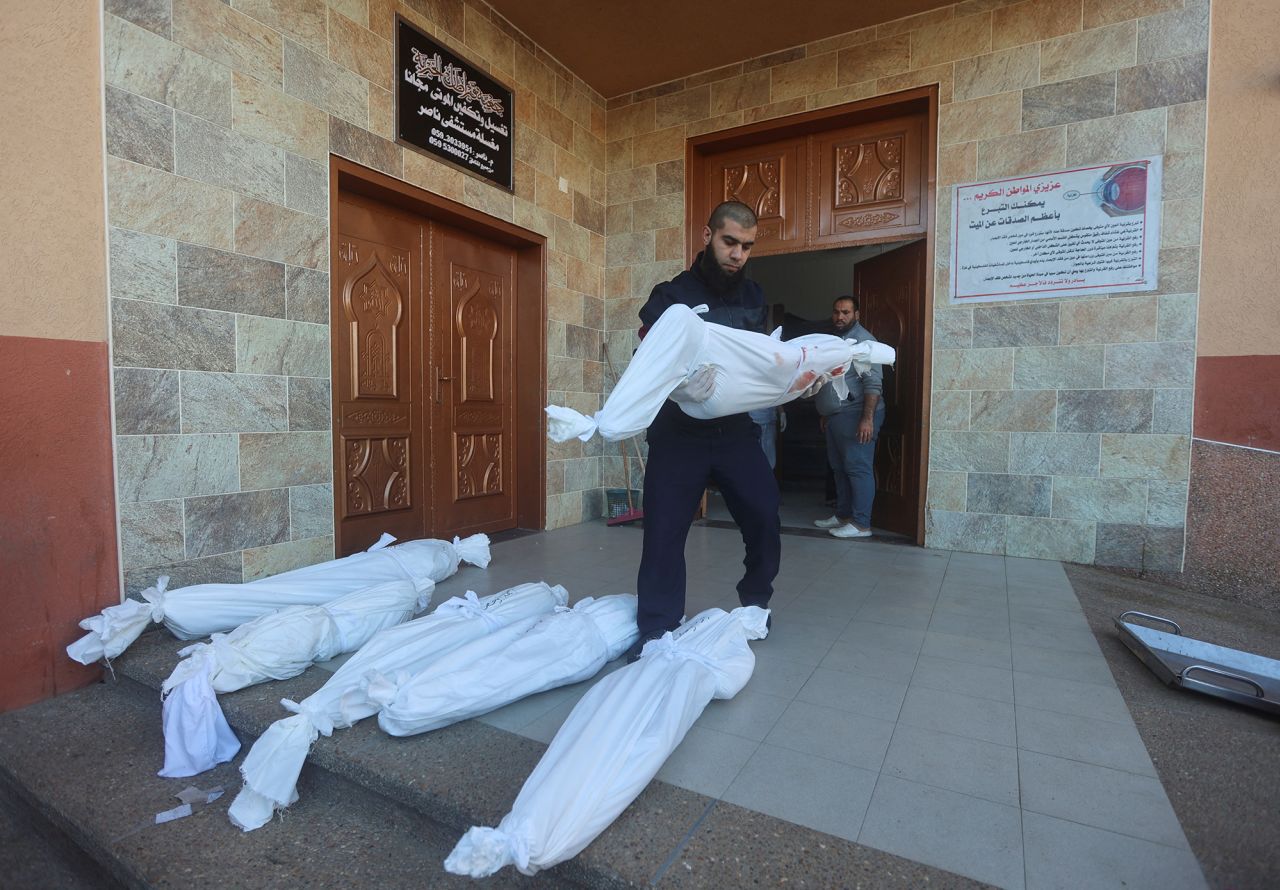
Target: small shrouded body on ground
[
  {"x": 522, "y": 659},
  {"x": 712, "y": 371},
  {"x": 276, "y": 646},
  {"x": 271, "y": 768},
  {"x": 203, "y": 609},
  {"x": 613, "y": 743}
]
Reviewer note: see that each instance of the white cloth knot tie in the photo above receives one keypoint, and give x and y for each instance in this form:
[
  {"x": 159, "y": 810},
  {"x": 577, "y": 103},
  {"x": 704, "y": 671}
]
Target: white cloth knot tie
[
  {"x": 155, "y": 596},
  {"x": 470, "y": 606},
  {"x": 315, "y": 716}
]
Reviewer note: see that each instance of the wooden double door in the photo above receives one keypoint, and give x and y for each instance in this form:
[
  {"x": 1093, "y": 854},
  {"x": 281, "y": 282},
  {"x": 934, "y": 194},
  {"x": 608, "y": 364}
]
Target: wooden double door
[{"x": 423, "y": 344}]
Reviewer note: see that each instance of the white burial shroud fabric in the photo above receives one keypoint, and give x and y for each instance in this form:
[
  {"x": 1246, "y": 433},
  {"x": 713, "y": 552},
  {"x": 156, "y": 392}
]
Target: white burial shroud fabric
[
  {"x": 271, "y": 768},
  {"x": 277, "y": 646},
  {"x": 203, "y": 609},
  {"x": 752, "y": 371},
  {"x": 613, "y": 742},
  {"x": 522, "y": 659}
]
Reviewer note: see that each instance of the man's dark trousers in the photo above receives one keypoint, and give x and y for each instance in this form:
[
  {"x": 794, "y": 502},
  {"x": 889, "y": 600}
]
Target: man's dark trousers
[{"x": 679, "y": 468}]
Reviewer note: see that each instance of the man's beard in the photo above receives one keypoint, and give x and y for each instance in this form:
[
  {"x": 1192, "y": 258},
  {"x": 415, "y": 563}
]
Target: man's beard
[{"x": 721, "y": 281}]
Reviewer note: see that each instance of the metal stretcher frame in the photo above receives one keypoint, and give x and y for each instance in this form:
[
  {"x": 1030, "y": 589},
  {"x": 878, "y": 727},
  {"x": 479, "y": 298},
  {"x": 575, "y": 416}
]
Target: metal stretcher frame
[{"x": 1240, "y": 677}]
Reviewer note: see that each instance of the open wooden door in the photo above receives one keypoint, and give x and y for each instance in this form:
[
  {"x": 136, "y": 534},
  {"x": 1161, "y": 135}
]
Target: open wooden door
[
  {"x": 891, "y": 299},
  {"x": 473, "y": 347},
  {"x": 377, "y": 356}
]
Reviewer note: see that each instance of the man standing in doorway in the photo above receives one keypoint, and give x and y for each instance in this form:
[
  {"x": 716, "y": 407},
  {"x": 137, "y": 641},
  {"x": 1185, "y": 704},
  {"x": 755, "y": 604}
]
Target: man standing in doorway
[
  {"x": 852, "y": 426},
  {"x": 686, "y": 453}
]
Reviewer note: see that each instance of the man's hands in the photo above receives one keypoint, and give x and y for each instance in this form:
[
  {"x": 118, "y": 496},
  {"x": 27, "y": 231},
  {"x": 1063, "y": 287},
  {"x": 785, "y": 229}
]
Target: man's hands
[
  {"x": 865, "y": 429},
  {"x": 699, "y": 386}
]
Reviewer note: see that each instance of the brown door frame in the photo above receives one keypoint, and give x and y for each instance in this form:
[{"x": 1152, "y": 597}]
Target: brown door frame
[
  {"x": 913, "y": 101},
  {"x": 349, "y": 178}
]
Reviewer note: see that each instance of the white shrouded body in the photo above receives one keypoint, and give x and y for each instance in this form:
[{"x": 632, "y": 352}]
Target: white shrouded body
[
  {"x": 203, "y": 609},
  {"x": 752, "y": 371},
  {"x": 271, "y": 768},
  {"x": 613, "y": 743},
  {"x": 523, "y": 659}
]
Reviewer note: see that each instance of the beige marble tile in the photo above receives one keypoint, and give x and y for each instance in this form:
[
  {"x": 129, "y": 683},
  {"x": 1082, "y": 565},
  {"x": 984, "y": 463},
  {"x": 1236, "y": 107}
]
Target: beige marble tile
[
  {"x": 1176, "y": 33},
  {"x": 486, "y": 40},
  {"x": 300, "y": 20},
  {"x": 536, "y": 150},
  {"x": 149, "y": 200},
  {"x": 279, "y": 347},
  {"x": 912, "y": 22},
  {"x": 1118, "y": 320},
  {"x": 1089, "y": 52},
  {"x": 428, "y": 173},
  {"x": 1123, "y": 137},
  {"x": 144, "y": 63},
  {"x": 143, "y": 267},
  {"x": 874, "y": 60},
  {"x": 712, "y": 124},
  {"x": 957, "y": 38},
  {"x": 1137, "y": 456},
  {"x": 151, "y": 533},
  {"x": 225, "y": 158},
  {"x": 349, "y": 141},
  {"x": 660, "y": 145},
  {"x": 968, "y": 369},
  {"x": 325, "y": 84},
  {"x": 949, "y": 410},
  {"x": 1105, "y": 12},
  {"x": 998, "y": 72},
  {"x": 682, "y": 107},
  {"x": 840, "y": 95},
  {"x": 230, "y": 522},
  {"x": 629, "y": 185},
  {"x": 382, "y": 110},
  {"x": 1021, "y": 410},
  {"x": 841, "y": 41},
  {"x": 151, "y": 468},
  {"x": 272, "y": 232},
  {"x": 985, "y": 118},
  {"x": 947, "y": 490},
  {"x": 957, "y": 163},
  {"x": 1183, "y": 174},
  {"x": 1033, "y": 21},
  {"x": 139, "y": 129},
  {"x": 775, "y": 110},
  {"x": 263, "y": 562},
  {"x": 1180, "y": 223},
  {"x": 1186, "y": 127},
  {"x": 803, "y": 77},
  {"x": 737, "y": 93},
  {"x": 230, "y": 37},
  {"x": 1064, "y": 102},
  {"x": 360, "y": 50},
  {"x": 630, "y": 120},
  {"x": 268, "y": 114},
  {"x": 1166, "y": 82},
  {"x": 659, "y": 212},
  {"x": 942, "y": 75},
  {"x": 1022, "y": 153}
]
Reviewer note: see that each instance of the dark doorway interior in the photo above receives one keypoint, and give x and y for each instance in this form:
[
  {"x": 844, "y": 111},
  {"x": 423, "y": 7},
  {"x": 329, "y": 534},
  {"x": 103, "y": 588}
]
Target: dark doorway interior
[{"x": 889, "y": 281}]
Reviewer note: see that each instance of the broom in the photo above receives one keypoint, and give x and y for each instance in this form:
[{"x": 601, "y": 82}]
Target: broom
[{"x": 633, "y": 513}]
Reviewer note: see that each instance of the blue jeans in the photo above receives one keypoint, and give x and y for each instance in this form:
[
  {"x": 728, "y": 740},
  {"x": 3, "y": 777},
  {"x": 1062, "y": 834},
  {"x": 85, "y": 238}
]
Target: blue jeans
[
  {"x": 766, "y": 420},
  {"x": 852, "y": 463}
]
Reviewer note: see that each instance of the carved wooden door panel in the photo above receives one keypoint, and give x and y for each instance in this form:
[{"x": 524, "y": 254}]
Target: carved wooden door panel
[
  {"x": 890, "y": 290},
  {"x": 376, "y": 349},
  {"x": 472, "y": 383},
  {"x": 867, "y": 182},
  {"x": 770, "y": 180}
]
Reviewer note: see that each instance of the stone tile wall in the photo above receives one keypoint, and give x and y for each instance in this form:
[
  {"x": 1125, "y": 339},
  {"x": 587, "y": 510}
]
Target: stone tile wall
[
  {"x": 1060, "y": 428},
  {"x": 220, "y": 119}
]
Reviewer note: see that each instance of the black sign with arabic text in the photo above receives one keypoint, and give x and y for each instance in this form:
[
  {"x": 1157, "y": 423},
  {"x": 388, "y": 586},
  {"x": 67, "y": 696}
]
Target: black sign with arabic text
[{"x": 448, "y": 108}]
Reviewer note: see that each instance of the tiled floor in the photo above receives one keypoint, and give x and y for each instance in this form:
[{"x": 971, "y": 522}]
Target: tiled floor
[{"x": 950, "y": 708}]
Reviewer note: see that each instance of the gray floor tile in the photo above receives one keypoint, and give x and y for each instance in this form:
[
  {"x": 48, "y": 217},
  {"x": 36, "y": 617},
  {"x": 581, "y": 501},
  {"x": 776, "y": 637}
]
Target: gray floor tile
[
  {"x": 820, "y": 794},
  {"x": 841, "y": 606},
  {"x": 982, "y": 627},
  {"x": 1070, "y": 697},
  {"x": 707, "y": 761},
  {"x": 994, "y": 653},
  {"x": 990, "y": 609},
  {"x": 1057, "y": 663},
  {"x": 963, "y": 834},
  {"x": 979, "y": 680},
  {"x": 795, "y": 645},
  {"x": 1066, "y": 640},
  {"x": 543, "y": 728},
  {"x": 832, "y": 734},
  {"x": 859, "y": 694},
  {"x": 974, "y": 718},
  {"x": 953, "y": 762},
  {"x": 1100, "y": 742},
  {"x": 1043, "y": 597},
  {"x": 1062, "y": 855},
  {"x": 856, "y": 658},
  {"x": 1039, "y": 616},
  {"x": 1095, "y": 795},
  {"x": 749, "y": 714},
  {"x": 776, "y": 675},
  {"x": 899, "y": 616},
  {"x": 873, "y": 635},
  {"x": 896, "y": 596},
  {"x": 517, "y": 715},
  {"x": 807, "y": 627}
]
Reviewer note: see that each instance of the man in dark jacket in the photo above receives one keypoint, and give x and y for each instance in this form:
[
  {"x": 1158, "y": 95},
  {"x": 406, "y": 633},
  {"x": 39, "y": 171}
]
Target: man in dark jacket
[{"x": 686, "y": 453}]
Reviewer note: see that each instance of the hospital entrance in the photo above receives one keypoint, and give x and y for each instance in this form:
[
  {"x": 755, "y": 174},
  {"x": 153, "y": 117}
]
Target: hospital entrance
[{"x": 888, "y": 280}]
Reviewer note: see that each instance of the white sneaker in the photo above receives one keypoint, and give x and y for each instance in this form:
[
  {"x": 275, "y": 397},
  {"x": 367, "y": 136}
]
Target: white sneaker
[
  {"x": 829, "y": 522},
  {"x": 849, "y": 530}
]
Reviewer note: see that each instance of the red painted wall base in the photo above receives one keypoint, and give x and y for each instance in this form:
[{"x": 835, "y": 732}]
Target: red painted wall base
[{"x": 58, "y": 559}]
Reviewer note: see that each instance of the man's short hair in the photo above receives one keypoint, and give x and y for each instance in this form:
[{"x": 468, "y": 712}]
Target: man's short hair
[
  {"x": 734, "y": 210},
  {"x": 838, "y": 300}
]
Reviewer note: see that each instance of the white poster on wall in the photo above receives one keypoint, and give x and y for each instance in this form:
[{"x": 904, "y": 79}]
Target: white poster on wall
[{"x": 1084, "y": 231}]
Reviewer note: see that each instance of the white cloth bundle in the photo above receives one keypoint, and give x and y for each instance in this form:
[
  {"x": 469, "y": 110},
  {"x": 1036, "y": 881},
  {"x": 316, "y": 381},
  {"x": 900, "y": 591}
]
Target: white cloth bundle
[
  {"x": 277, "y": 646},
  {"x": 203, "y": 609},
  {"x": 522, "y": 659},
  {"x": 751, "y": 371},
  {"x": 614, "y": 742},
  {"x": 272, "y": 766}
]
